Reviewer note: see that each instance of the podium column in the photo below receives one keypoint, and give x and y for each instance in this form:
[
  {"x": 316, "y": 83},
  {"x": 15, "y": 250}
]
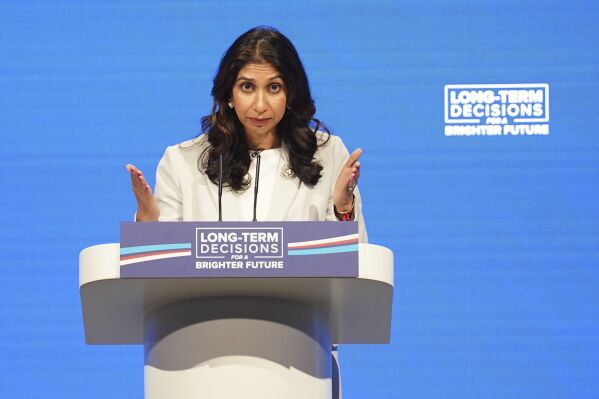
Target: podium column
[{"x": 232, "y": 347}]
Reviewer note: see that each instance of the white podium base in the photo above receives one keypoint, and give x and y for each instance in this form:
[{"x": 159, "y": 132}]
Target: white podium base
[{"x": 239, "y": 347}]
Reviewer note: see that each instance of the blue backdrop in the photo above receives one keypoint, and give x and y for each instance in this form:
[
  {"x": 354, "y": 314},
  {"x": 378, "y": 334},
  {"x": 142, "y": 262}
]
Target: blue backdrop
[{"x": 496, "y": 237}]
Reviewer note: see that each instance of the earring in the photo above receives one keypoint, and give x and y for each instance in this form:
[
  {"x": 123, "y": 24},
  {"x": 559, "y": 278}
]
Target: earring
[{"x": 230, "y": 105}]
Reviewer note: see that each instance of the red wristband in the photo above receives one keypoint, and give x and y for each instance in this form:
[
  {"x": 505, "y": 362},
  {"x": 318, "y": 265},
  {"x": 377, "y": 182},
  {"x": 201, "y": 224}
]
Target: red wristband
[{"x": 345, "y": 216}]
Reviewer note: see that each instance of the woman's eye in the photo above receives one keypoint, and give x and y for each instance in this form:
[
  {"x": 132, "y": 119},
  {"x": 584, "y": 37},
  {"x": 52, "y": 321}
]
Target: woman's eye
[
  {"x": 246, "y": 86},
  {"x": 275, "y": 87}
]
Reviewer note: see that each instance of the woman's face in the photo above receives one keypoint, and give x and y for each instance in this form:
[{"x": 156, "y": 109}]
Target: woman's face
[{"x": 259, "y": 99}]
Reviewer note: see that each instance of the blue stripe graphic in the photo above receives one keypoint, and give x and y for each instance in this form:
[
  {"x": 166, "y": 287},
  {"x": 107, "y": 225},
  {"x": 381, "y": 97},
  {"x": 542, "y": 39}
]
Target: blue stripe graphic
[
  {"x": 151, "y": 248},
  {"x": 328, "y": 250}
]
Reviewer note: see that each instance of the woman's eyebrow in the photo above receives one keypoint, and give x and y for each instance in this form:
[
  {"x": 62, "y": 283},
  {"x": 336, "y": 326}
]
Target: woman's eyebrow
[{"x": 253, "y": 80}]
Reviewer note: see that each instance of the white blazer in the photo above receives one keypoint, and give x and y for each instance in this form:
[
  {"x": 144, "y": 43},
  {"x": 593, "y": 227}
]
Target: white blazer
[{"x": 185, "y": 193}]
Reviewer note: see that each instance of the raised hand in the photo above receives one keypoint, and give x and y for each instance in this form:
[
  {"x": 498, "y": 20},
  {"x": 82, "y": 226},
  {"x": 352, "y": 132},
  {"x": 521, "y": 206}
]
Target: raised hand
[
  {"x": 343, "y": 196},
  {"x": 147, "y": 207}
]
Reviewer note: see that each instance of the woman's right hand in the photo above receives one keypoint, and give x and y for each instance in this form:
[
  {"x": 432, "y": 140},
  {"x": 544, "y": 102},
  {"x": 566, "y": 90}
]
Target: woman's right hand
[{"x": 147, "y": 207}]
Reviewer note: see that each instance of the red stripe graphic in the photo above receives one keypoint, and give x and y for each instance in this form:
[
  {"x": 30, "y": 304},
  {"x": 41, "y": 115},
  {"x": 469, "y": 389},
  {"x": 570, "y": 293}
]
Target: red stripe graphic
[
  {"x": 326, "y": 244},
  {"x": 172, "y": 251}
]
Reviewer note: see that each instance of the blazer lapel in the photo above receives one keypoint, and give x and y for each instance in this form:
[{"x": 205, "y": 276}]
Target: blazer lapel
[{"x": 284, "y": 192}]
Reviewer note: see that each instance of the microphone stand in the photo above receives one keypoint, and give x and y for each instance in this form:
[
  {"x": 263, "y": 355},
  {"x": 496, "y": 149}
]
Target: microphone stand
[
  {"x": 220, "y": 187},
  {"x": 256, "y": 154}
]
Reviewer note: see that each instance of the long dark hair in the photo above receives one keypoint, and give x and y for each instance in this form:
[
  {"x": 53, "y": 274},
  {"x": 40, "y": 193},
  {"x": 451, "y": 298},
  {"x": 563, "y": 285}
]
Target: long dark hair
[{"x": 297, "y": 129}]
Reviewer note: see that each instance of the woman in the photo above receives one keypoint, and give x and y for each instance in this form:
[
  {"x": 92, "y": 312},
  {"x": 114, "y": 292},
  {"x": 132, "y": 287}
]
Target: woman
[{"x": 261, "y": 134}]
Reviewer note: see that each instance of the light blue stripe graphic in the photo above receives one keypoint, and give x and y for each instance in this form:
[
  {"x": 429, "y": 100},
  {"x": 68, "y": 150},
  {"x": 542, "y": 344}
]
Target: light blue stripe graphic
[
  {"x": 327, "y": 250},
  {"x": 150, "y": 248}
]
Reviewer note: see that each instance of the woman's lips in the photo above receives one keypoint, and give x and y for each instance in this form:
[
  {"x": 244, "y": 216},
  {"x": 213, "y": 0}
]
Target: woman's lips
[{"x": 259, "y": 121}]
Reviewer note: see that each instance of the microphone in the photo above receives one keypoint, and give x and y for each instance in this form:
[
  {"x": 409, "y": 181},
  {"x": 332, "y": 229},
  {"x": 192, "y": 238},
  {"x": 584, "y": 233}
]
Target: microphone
[
  {"x": 256, "y": 154},
  {"x": 220, "y": 187}
]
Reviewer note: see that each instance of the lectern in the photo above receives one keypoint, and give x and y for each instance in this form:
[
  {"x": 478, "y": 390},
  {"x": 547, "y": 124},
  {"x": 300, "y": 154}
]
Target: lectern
[{"x": 238, "y": 335}]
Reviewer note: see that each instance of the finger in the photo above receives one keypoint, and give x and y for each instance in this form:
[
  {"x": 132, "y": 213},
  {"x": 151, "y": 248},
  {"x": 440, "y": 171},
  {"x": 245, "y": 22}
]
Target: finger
[
  {"x": 353, "y": 181},
  {"x": 141, "y": 183},
  {"x": 356, "y": 174},
  {"x": 140, "y": 176},
  {"x": 136, "y": 175},
  {"x": 132, "y": 170},
  {"x": 136, "y": 179},
  {"x": 354, "y": 157},
  {"x": 133, "y": 176}
]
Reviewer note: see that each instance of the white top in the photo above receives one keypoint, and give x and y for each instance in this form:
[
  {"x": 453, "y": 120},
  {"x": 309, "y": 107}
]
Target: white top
[
  {"x": 185, "y": 193},
  {"x": 270, "y": 163}
]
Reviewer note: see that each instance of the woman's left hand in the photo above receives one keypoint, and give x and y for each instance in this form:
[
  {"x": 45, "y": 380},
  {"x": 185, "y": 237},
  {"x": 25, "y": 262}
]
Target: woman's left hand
[{"x": 343, "y": 196}]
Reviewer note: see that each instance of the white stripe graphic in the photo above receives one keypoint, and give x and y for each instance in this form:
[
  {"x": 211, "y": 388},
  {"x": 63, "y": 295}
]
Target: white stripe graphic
[
  {"x": 154, "y": 257},
  {"x": 292, "y": 245}
]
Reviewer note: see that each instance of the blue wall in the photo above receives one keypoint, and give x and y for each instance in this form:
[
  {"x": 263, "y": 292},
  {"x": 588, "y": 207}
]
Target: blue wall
[{"x": 496, "y": 238}]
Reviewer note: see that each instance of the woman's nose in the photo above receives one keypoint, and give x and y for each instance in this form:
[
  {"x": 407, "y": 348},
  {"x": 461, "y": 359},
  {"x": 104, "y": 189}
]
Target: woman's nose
[{"x": 260, "y": 102}]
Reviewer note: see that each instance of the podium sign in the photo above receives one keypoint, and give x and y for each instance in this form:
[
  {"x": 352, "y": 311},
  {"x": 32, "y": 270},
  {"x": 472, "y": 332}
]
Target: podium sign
[{"x": 239, "y": 249}]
